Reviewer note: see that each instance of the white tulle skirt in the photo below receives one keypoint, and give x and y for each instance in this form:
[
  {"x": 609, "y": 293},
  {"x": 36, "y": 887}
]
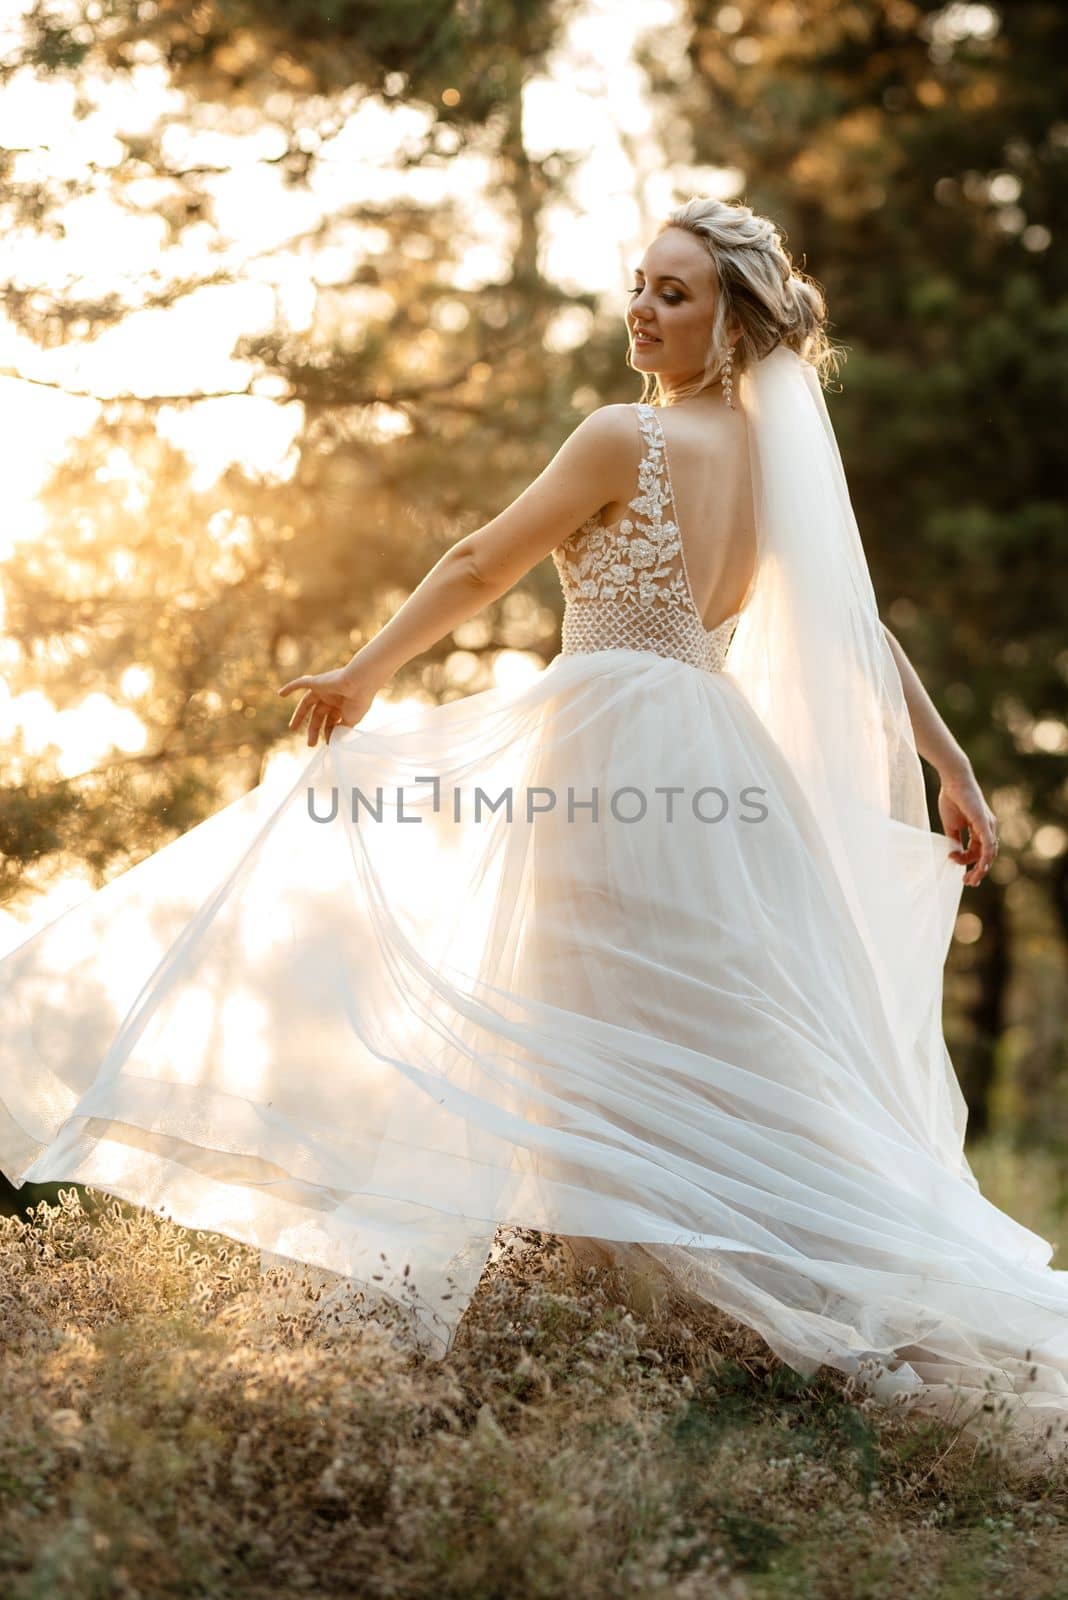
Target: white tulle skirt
[{"x": 428, "y": 989}]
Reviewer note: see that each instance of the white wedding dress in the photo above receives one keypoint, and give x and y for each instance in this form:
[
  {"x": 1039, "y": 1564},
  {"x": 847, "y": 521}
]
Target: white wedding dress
[{"x": 362, "y": 1022}]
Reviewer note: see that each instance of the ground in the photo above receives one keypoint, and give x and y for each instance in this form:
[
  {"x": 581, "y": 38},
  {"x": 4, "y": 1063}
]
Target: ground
[{"x": 170, "y": 1429}]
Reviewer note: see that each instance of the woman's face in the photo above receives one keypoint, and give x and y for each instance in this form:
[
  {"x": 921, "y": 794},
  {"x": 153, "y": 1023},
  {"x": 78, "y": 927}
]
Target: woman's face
[{"x": 669, "y": 315}]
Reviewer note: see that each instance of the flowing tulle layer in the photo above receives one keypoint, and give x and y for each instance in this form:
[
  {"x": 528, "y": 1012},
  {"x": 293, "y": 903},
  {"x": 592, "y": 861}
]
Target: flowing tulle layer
[{"x": 361, "y": 1022}]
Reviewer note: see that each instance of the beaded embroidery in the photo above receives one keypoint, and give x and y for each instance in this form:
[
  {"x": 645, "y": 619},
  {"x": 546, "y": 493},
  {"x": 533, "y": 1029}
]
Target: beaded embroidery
[{"x": 627, "y": 588}]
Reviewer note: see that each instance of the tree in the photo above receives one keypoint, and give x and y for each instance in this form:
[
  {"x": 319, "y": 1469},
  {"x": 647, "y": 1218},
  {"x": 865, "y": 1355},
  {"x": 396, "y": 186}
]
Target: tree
[{"x": 408, "y": 378}]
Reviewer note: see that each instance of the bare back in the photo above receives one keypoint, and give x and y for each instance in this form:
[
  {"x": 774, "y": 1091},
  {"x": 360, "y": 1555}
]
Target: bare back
[
  {"x": 625, "y": 572},
  {"x": 708, "y": 463}
]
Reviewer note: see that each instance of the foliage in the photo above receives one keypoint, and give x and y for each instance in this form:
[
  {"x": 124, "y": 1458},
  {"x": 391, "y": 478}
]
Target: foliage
[{"x": 404, "y": 385}]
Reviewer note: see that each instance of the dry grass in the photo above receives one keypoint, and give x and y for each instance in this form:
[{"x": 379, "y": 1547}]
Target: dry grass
[{"x": 170, "y": 1430}]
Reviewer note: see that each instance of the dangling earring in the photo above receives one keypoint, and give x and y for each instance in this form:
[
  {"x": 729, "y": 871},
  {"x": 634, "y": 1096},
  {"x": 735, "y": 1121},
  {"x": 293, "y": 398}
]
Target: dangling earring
[{"x": 727, "y": 378}]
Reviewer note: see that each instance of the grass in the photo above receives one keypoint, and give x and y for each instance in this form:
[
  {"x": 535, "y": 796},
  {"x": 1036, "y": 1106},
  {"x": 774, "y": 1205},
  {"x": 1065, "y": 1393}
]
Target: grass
[{"x": 170, "y": 1429}]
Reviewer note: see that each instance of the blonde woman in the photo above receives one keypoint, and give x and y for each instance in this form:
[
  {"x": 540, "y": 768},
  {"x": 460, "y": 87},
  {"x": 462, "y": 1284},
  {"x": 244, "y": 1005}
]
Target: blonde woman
[{"x": 646, "y": 951}]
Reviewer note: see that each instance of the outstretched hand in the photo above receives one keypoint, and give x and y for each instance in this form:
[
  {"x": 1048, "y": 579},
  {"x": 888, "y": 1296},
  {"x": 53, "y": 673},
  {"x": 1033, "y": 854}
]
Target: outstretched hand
[
  {"x": 343, "y": 696},
  {"x": 961, "y": 805}
]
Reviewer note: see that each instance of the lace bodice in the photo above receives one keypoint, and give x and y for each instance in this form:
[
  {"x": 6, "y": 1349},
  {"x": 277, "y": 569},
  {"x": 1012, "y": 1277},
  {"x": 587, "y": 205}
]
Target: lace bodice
[{"x": 627, "y": 587}]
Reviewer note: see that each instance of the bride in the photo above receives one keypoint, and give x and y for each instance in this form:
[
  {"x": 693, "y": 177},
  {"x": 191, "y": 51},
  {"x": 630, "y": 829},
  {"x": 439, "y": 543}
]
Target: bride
[{"x": 645, "y": 952}]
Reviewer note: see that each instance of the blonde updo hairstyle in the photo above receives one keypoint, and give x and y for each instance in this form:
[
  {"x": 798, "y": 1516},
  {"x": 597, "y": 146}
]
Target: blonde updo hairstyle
[{"x": 757, "y": 287}]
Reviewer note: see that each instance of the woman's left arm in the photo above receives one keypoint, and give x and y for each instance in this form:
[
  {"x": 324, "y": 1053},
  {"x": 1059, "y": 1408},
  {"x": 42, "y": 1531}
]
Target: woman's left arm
[{"x": 960, "y": 799}]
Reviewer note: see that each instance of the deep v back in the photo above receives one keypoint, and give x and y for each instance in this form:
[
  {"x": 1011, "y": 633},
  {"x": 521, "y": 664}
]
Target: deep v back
[{"x": 626, "y": 584}]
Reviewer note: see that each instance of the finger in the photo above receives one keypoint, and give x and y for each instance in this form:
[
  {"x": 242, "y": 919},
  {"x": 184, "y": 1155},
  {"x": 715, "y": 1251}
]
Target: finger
[
  {"x": 961, "y": 852},
  {"x": 987, "y": 851},
  {"x": 303, "y": 708},
  {"x": 329, "y": 715},
  {"x": 318, "y": 717},
  {"x": 966, "y": 852},
  {"x": 982, "y": 866},
  {"x": 975, "y": 855},
  {"x": 294, "y": 683},
  {"x": 973, "y": 848}
]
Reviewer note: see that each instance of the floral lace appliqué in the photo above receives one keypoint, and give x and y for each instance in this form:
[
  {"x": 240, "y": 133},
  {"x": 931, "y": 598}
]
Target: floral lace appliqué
[{"x": 626, "y": 587}]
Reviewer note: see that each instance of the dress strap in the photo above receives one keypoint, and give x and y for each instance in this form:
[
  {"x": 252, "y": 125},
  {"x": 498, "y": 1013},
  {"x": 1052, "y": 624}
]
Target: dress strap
[
  {"x": 658, "y": 472},
  {"x": 658, "y": 497},
  {"x": 652, "y": 468}
]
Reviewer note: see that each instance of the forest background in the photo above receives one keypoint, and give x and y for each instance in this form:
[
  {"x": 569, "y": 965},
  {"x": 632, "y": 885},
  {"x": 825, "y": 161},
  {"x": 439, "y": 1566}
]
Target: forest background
[{"x": 297, "y": 292}]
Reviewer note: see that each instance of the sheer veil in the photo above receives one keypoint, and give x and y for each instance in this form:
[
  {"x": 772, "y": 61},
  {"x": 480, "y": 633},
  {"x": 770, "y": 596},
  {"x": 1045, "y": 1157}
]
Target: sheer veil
[{"x": 811, "y": 655}]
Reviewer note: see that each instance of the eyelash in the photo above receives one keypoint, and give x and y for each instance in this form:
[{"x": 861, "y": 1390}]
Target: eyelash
[{"x": 638, "y": 289}]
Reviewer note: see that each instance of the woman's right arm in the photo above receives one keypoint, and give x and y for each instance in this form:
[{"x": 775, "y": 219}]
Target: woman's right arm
[
  {"x": 960, "y": 799},
  {"x": 934, "y": 741}
]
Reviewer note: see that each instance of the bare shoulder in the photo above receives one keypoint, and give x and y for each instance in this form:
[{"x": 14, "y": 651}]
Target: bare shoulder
[
  {"x": 611, "y": 424},
  {"x": 607, "y": 442},
  {"x": 606, "y": 450}
]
